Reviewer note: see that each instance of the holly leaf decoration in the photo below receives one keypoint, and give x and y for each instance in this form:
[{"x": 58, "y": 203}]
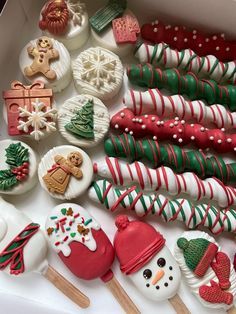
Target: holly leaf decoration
[
  {"x": 16, "y": 155},
  {"x": 7, "y": 179}
]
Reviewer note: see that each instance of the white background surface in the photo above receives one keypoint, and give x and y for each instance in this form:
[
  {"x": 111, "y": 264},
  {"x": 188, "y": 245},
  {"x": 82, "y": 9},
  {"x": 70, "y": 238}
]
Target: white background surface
[{"x": 18, "y": 25}]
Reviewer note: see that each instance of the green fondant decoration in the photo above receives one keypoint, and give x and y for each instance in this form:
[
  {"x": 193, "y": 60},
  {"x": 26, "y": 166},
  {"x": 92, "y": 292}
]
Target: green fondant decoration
[
  {"x": 16, "y": 155},
  {"x": 63, "y": 211},
  {"x": 188, "y": 84},
  {"x": 82, "y": 124},
  {"x": 73, "y": 234},
  {"x": 173, "y": 156}
]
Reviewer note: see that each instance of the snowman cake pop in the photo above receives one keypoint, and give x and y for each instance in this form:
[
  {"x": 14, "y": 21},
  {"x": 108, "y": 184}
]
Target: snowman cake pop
[
  {"x": 145, "y": 258},
  {"x": 23, "y": 249}
]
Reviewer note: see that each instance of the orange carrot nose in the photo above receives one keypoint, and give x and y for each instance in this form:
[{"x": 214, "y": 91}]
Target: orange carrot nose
[{"x": 159, "y": 274}]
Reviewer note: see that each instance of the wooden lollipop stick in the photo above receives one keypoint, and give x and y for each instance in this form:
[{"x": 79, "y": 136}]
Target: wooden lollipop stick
[
  {"x": 67, "y": 288},
  {"x": 232, "y": 310},
  {"x": 121, "y": 296},
  {"x": 179, "y": 305}
]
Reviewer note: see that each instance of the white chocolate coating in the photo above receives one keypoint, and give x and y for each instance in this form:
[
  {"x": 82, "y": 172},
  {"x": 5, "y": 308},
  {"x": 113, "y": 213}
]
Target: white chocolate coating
[
  {"x": 62, "y": 67},
  {"x": 69, "y": 229},
  {"x": 76, "y": 35},
  {"x": 35, "y": 251},
  {"x": 124, "y": 174},
  {"x": 76, "y": 187},
  {"x": 194, "y": 282},
  {"x": 31, "y": 180},
  {"x": 167, "y": 286},
  {"x": 187, "y": 60},
  {"x": 107, "y": 40},
  {"x": 98, "y": 72},
  {"x": 101, "y": 120}
]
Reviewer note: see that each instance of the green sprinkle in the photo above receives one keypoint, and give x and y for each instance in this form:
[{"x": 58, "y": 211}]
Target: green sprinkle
[
  {"x": 73, "y": 235},
  {"x": 53, "y": 217},
  {"x": 88, "y": 221},
  {"x": 67, "y": 229},
  {"x": 63, "y": 211}
]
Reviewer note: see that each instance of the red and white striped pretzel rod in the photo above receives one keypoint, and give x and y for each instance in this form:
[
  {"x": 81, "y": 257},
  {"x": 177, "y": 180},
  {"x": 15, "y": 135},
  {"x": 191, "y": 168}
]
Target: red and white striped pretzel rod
[
  {"x": 154, "y": 101},
  {"x": 124, "y": 174}
]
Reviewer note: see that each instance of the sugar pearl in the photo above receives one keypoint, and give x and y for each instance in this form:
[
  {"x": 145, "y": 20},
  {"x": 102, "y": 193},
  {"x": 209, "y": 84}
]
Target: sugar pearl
[
  {"x": 146, "y": 116},
  {"x": 176, "y": 118},
  {"x": 207, "y": 40},
  {"x": 223, "y": 129},
  {"x": 214, "y": 37},
  {"x": 180, "y": 130},
  {"x": 175, "y": 136},
  {"x": 202, "y": 129},
  {"x": 162, "y": 122},
  {"x": 235, "y": 149},
  {"x": 140, "y": 121},
  {"x": 217, "y": 48},
  {"x": 143, "y": 126},
  {"x": 155, "y": 138},
  {"x": 194, "y": 36},
  {"x": 192, "y": 125},
  {"x": 176, "y": 28},
  {"x": 180, "y": 140},
  {"x": 182, "y": 121},
  {"x": 156, "y": 22},
  {"x": 200, "y": 45},
  {"x": 155, "y": 30},
  {"x": 229, "y": 140},
  {"x": 222, "y": 35},
  {"x": 176, "y": 123},
  {"x": 134, "y": 120},
  {"x": 171, "y": 125},
  {"x": 192, "y": 138},
  {"x": 175, "y": 38},
  {"x": 153, "y": 118},
  {"x": 116, "y": 126},
  {"x": 185, "y": 40},
  {"x": 227, "y": 49},
  {"x": 126, "y": 130},
  {"x": 211, "y": 138},
  {"x": 122, "y": 114},
  {"x": 219, "y": 141},
  {"x": 194, "y": 31},
  {"x": 158, "y": 123}
]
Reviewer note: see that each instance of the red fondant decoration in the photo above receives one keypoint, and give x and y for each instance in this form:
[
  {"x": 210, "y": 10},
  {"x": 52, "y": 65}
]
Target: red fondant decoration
[
  {"x": 87, "y": 264},
  {"x": 136, "y": 243},
  {"x": 55, "y": 17},
  {"x": 176, "y": 130},
  {"x": 179, "y": 37},
  {"x": 222, "y": 270},
  {"x": 22, "y": 96},
  {"x": 214, "y": 294},
  {"x": 125, "y": 29}
]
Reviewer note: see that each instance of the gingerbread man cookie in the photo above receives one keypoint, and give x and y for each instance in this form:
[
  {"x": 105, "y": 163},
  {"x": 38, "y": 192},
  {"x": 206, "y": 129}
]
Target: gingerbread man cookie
[{"x": 42, "y": 54}]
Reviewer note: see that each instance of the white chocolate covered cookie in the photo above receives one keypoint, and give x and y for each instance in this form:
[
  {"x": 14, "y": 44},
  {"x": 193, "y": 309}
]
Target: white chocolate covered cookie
[
  {"x": 47, "y": 60},
  {"x": 83, "y": 120},
  {"x": 98, "y": 72}
]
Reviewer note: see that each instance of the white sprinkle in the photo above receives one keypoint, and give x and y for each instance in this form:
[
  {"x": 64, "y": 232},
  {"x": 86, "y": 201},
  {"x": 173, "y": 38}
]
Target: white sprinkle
[
  {"x": 116, "y": 126},
  {"x": 214, "y": 37},
  {"x": 219, "y": 141},
  {"x": 176, "y": 28},
  {"x": 131, "y": 132},
  {"x": 192, "y": 125},
  {"x": 166, "y": 27},
  {"x": 171, "y": 125},
  {"x": 207, "y": 40},
  {"x": 185, "y": 40},
  {"x": 207, "y": 149},
  {"x": 235, "y": 149},
  {"x": 222, "y": 35},
  {"x": 126, "y": 130},
  {"x": 194, "y": 31},
  {"x": 180, "y": 140},
  {"x": 217, "y": 48},
  {"x": 175, "y": 38},
  {"x": 122, "y": 114},
  {"x": 153, "y": 23},
  {"x": 211, "y": 138},
  {"x": 176, "y": 123},
  {"x": 227, "y": 48},
  {"x": 223, "y": 129},
  {"x": 146, "y": 116},
  {"x": 175, "y": 136},
  {"x": 143, "y": 126},
  {"x": 155, "y": 138},
  {"x": 200, "y": 45},
  {"x": 194, "y": 36},
  {"x": 169, "y": 26},
  {"x": 156, "y": 22},
  {"x": 158, "y": 123},
  {"x": 229, "y": 140},
  {"x": 153, "y": 118},
  {"x": 202, "y": 129},
  {"x": 134, "y": 120},
  {"x": 155, "y": 30},
  {"x": 162, "y": 122},
  {"x": 140, "y": 121},
  {"x": 176, "y": 118},
  {"x": 180, "y": 131},
  {"x": 192, "y": 138},
  {"x": 182, "y": 121},
  {"x": 137, "y": 119}
]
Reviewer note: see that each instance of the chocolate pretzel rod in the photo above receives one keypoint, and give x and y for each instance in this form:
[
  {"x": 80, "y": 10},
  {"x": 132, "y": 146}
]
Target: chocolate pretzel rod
[
  {"x": 126, "y": 146},
  {"x": 174, "y": 130},
  {"x": 180, "y": 38},
  {"x": 125, "y": 174},
  {"x": 187, "y": 60},
  {"x": 149, "y": 76},
  {"x": 134, "y": 199},
  {"x": 153, "y": 100}
]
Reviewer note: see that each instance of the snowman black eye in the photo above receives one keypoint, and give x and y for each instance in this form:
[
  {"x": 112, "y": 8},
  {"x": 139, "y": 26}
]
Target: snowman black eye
[
  {"x": 147, "y": 273},
  {"x": 161, "y": 262}
]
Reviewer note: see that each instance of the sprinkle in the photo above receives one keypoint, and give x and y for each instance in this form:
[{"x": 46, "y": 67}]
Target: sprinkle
[
  {"x": 116, "y": 126},
  {"x": 211, "y": 138},
  {"x": 180, "y": 140},
  {"x": 180, "y": 131},
  {"x": 122, "y": 114},
  {"x": 182, "y": 122},
  {"x": 194, "y": 31},
  {"x": 68, "y": 229},
  {"x": 176, "y": 28},
  {"x": 66, "y": 238},
  {"x": 171, "y": 125},
  {"x": 176, "y": 123},
  {"x": 131, "y": 132},
  {"x": 162, "y": 122},
  {"x": 214, "y": 37},
  {"x": 202, "y": 129},
  {"x": 57, "y": 243},
  {"x": 175, "y": 38},
  {"x": 176, "y": 118},
  {"x": 155, "y": 30},
  {"x": 134, "y": 120},
  {"x": 53, "y": 217},
  {"x": 227, "y": 48},
  {"x": 219, "y": 141},
  {"x": 88, "y": 221},
  {"x": 207, "y": 40},
  {"x": 155, "y": 138},
  {"x": 156, "y": 22},
  {"x": 207, "y": 149},
  {"x": 143, "y": 126},
  {"x": 145, "y": 116},
  {"x": 76, "y": 216},
  {"x": 158, "y": 123},
  {"x": 229, "y": 140},
  {"x": 140, "y": 121},
  {"x": 192, "y": 138},
  {"x": 153, "y": 118},
  {"x": 126, "y": 130},
  {"x": 217, "y": 48},
  {"x": 235, "y": 149},
  {"x": 194, "y": 36},
  {"x": 175, "y": 136},
  {"x": 200, "y": 45},
  {"x": 223, "y": 129},
  {"x": 192, "y": 125},
  {"x": 222, "y": 35},
  {"x": 185, "y": 40}
]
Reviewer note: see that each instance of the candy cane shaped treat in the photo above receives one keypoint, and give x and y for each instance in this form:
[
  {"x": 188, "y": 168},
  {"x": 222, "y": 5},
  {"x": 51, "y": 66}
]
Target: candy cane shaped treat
[
  {"x": 207, "y": 270},
  {"x": 23, "y": 249},
  {"x": 125, "y": 174},
  {"x": 148, "y": 75},
  {"x": 187, "y": 60},
  {"x": 84, "y": 248},
  {"x": 174, "y": 130},
  {"x": 153, "y": 100},
  {"x": 180, "y": 38},
  {"x": 143, "y": 204},
  {"x": 148, "y": 262},
  {"x": 175, "y": 157}
]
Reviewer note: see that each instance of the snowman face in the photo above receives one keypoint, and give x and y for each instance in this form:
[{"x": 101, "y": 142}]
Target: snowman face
[{"x": 159, "y": 279}]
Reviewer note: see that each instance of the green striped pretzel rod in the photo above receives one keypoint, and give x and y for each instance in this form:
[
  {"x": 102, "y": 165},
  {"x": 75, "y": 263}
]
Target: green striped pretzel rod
[
  {"x": 173, "y": 156},
  {"x": 187, "y": 60},
  {"x": 155, "y": 204},
  {"x": 148, "y": 75}
]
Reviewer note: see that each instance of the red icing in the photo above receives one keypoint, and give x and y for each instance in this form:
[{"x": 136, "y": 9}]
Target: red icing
[
  {"x": 87, "y": 264},
  {"x": 180, "y": 38},
  {"x": 125, "y": 29},
  {"x": 135, "y": 243},
  {"x": 222, "y": 270},
  {"x": 206, "y": 260},
  {"x": 214, "y": 294},
  {"x": 177, "y": 131}
]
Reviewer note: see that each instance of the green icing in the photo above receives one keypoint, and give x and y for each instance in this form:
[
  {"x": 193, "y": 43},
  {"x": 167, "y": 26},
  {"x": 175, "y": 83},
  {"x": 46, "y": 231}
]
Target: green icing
[
  {"x": 175, "y": 157},
  {"x": 82, "y": 124},
  {"x": 188, "y": 84}
]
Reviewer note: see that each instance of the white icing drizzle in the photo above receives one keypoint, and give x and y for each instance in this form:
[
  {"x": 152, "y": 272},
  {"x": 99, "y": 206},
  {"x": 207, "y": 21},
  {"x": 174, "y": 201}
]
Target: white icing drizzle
[{"x": 70, "y": 222}]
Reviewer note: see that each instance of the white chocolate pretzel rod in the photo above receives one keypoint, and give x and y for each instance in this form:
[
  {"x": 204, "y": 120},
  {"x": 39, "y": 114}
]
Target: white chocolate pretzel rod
[
  {"x": 125, "y": 174},
  {"x": 153, "y": 100},
  {"x": 194, "y": 216},
  {"x": 187, "y": 60}
]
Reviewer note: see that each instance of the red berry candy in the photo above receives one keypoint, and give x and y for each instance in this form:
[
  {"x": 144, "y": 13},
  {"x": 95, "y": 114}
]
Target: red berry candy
[
  {"x": 26, "y": 171},
  {"x": 26, "y": 165}
]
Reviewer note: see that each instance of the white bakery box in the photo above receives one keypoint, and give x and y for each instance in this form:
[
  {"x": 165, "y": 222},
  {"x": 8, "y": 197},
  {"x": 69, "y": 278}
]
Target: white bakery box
[{"x": 33, "y": 294}]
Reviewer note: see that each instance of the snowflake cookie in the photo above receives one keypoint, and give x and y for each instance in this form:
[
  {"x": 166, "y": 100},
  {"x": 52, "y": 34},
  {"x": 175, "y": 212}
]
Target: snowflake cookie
[
  {"x": 99, "y": 72},
  {"x": 83, "y": 120}
]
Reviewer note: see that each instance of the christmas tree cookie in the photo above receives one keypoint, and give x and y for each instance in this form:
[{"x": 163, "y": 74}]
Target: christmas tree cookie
[
  {"x": 18, "y": 167},
  {"x": 83, "y": 120}
]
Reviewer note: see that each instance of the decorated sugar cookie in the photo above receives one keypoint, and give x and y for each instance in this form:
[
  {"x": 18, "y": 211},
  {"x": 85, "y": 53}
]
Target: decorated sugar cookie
[
  {"x": 83, "y": 120},
  {"x": 47, "y": 60},
  {"x": 98, "y": 72},
  {"x": 207, "y": 270},
  {"x": 65, "y": 172},
  {"x": 23, "y": 249},
  {"x": 18, "y": 167},
  {"x": 145, "y": 258},
  {"x": 84, "y": 248},
  {"x": 66, "y": 21}
]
